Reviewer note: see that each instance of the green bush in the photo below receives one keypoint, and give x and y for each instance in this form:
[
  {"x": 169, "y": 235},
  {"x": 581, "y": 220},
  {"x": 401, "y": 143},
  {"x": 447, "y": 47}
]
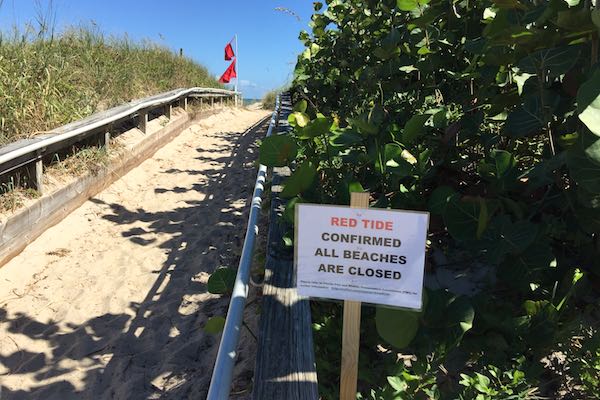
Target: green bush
[{"x": 485, "y": 113}]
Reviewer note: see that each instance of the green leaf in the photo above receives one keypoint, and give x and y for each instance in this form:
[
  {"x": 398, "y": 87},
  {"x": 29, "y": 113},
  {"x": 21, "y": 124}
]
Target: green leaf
[
  {"x": 406, "y": 5},
  {"x": 214, "y": 325},
  {"x": 301, "y": 106},
  {"x": 584, "y": 171},
  {"x": 363, "y": 126},
  {"x": 414, "y": 128},
  {"x": 298, "y": 119},
  {"x": 300, "y": 180},
  {"x": 394, "y": 161},
  {"x": 505, "y": 237},
  {"x": 345, "y": 138},
  {"x": 376, "y": 115},
  {"x": 440, "y": 198},
  {"x": 504, "y": 162},
  {"x": 392, "y": 151},
  {"x": 316, "y": 127},
  {"x": 525, "y": 120},
  {"x": 482, "y": 383},
  {"x": 393, "y": 38},
  {"x": 397, "y": 327},
  {"x": 277, "y": 151},
  {"x": 439, "y": 119},
  {"x": 537, "y": 256},
  {"x": 521, "y": 79},
  {"x": 462, "y": 219},
  {"x": 460, "y": 315},
  {"x": 588, "y": 103},
  {"x": 355, "y": 187},
  {"x": 552, "y": 62},
  {"x": 590, "y": 144},
  {"x": 221, "y": 281},
  {"x": 543, "y": 173},
  {"x": 385, "y": 53},
  {"x": 287, "y": 241},
  {"x": 533, "y": 308},
  {"x": 290, "y": 209},
  {"x": 397, "y": 383}
]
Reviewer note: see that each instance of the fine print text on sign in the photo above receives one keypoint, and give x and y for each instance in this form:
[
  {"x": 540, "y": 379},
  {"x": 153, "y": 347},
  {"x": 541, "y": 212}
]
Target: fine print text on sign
[{"x": 367, "y": 255}]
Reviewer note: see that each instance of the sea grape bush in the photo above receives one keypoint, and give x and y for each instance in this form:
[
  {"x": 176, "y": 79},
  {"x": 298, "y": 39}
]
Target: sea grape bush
[{"x": 487, "y": 114}]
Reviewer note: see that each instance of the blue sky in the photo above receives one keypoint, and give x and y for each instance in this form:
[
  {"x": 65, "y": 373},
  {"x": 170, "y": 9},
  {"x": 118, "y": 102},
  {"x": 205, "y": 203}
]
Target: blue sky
[{"x": 268, "y": 35}]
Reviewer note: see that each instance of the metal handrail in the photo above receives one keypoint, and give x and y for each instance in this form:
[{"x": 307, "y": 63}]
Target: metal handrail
[{"x": 220, "y": 384}]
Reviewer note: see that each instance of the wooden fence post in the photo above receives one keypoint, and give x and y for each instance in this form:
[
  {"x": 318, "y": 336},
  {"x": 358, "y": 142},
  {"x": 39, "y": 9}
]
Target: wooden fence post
[
  {"x": 104, "y": 137},
  {"x": 143, "y": 120},
  {"x": 35, "y": 174}
]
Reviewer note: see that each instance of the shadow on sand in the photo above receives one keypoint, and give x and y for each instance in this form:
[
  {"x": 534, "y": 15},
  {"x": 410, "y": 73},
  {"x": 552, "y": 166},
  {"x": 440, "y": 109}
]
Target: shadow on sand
[{"x": 162, "y": 352}]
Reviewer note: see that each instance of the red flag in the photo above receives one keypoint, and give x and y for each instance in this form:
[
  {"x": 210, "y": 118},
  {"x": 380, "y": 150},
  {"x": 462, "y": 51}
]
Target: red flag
[
  {"x": 229, "y": 52},
  {"x": 229, "y": 73}
]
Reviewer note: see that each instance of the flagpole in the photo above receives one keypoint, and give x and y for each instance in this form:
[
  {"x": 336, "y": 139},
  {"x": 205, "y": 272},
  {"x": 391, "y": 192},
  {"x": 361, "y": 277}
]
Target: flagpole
[{"x": 237, "y": 78}]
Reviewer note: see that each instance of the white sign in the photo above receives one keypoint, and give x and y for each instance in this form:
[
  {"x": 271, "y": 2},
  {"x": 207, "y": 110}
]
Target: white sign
[{"x": 367, "y": 255}]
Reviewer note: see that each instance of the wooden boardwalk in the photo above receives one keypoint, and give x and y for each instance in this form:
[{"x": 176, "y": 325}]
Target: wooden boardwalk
[{"x": 285, "y": 362}]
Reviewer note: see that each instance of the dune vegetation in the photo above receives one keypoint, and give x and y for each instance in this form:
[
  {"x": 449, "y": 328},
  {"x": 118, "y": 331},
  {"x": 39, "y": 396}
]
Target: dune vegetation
[{"x": 49, "y": 79}]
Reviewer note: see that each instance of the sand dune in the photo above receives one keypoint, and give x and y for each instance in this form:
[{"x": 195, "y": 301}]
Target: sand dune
[{"x": 110, "y": 303}]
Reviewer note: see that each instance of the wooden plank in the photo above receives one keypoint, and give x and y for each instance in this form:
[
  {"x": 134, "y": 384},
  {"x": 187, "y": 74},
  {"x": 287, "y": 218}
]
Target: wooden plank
[{"x": 285, "y": 362}]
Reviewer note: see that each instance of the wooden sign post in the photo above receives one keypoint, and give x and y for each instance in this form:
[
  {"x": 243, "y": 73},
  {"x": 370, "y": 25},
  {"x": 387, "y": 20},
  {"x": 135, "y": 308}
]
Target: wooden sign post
[
  {"x": 351, "y": 328},
  {"x": 359, "y": 255}
]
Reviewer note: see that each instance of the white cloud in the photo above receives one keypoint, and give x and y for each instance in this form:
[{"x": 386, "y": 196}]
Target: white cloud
[{"x": 247, "y": 83}]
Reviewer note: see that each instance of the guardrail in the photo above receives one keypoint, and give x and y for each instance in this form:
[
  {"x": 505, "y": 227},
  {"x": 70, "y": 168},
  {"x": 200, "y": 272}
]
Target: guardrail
[
  {"x": 220, "y": 384},
  {"x": 28, "y": 153}
]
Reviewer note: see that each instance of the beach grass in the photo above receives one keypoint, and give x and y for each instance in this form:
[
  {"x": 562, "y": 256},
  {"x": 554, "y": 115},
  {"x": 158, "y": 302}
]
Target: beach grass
[
  {"x": 268, "y": 100},
  {"x": 49, "y": 79}
]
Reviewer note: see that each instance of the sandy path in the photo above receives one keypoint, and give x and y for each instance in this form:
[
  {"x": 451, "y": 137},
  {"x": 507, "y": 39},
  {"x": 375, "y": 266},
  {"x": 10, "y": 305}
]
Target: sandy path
[{"x": 110, "y": 303}]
